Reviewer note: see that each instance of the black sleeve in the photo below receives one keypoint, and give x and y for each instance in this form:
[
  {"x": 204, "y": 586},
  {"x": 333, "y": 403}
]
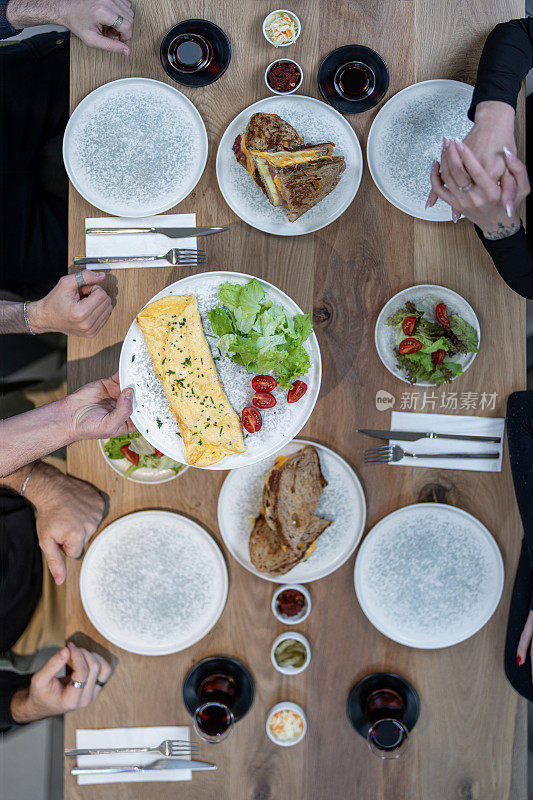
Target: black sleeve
[
  {"x": 505, "y": 61},
  {"x": 513, "y": 258},
  {"x": 6, "y": 29},
  {"x": 9, "y": 683},
  {"x": 520, "y": 439}
]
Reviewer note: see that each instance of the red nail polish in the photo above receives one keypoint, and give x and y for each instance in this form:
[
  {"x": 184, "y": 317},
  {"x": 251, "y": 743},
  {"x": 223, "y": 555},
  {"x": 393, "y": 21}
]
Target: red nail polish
[{"x": 519, "y": 661}]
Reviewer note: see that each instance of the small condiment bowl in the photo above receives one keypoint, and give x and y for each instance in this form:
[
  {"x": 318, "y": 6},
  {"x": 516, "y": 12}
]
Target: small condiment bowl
[
  {"x": 288, "y": 61},
  {"x": 289, "y": 707},
  {"x": 299, "y": 638},
  {"x": 281, "y": 11},
  {"x": 298, "y": 617}
]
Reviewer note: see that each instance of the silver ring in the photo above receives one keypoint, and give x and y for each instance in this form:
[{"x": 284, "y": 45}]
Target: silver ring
[
  {"x": 465, "y": 188},
  {"x": 117, "y": 23},
  {"x": 80, "y": 279},
  {"x": 77, "y": 684}
]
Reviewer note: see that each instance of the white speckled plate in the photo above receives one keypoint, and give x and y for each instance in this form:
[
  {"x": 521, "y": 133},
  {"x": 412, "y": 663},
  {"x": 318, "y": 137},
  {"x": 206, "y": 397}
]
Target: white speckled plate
[
  {"x": 343, "y": 500},
  {"x": 385, "y": 335},
  {"x": 429, "y": 575},
  {"x": 151, "y": 407},
  {"x": 406, "y": 136},
  {"x": 316, "y": 122},
  {"x": 154, "y": 582},
  {"x": 135, "y": 147}
]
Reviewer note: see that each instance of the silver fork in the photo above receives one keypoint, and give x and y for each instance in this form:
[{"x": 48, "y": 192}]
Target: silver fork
[
  {"x": 176, "y": 256},
  {"x": 392, "y": 453},
  {"x": 171, "y": 748}
]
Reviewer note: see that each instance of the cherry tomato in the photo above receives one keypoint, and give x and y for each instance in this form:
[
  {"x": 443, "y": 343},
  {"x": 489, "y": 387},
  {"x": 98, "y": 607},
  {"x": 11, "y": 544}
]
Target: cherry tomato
[
  {"x": 264, "y": 383},
  {"x": 408, "y": 325},
  {"x": 296, "y": 392},
  {"x": 441, "y": 312},
  {"x": 263, "y": 400},
  {"x": 409, "y": 346},
  {"x": 130, "y": 455},
  {"x": 437, "y": 357},
  {"x": 252, "y": 419},
  {"x": 158, "y": 452}
]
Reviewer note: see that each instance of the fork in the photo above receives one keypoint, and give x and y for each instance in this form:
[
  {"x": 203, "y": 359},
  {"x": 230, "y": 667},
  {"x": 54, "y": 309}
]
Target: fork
[
  {"x": 175, "y": 256},
  {"x": 389, "y": 454},
  {"x": 171, "y": 748}
]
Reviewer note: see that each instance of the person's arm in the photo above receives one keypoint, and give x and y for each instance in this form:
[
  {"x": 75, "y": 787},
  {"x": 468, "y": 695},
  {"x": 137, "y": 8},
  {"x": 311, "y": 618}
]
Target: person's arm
[
  {"x": 512, "y": 254},
  {"x": 10, "y": 683},
  {"x": 520, "y": 438},
  {"x": 505, "y": 61},
  {"x": 6, "y": 28}
]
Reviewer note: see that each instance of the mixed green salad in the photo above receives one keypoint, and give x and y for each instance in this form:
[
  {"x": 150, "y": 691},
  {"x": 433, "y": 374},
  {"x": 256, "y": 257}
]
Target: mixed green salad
[
  {"x": 140, "y": 453},
  {"x": 428, "y": 338},
  {"x": 259, "y": 335}
]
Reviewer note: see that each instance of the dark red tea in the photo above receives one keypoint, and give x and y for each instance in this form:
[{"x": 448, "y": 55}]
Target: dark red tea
[
  {"x": 384, "y": 704},
  {"x": 190, "y": 52},
  {"x": 218, "y": 688},
  {"x": 354, "y": 80},
  {"x": 387, "y": 735},
  {"x": 213, "y": 719}
]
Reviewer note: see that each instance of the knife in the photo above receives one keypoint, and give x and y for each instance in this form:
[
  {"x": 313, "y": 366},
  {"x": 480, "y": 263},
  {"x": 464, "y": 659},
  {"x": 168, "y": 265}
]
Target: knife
[
  {"x": 412, "y": 436},
  {"x": 160, "y": 764},
  {"x": 172, "y": 233}
]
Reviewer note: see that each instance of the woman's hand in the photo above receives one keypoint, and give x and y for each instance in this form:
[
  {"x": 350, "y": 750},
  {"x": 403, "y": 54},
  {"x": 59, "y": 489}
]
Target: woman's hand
[
  {"x": 525, "y": 643},
  {"x": 467, "y": 187},
  {"x": 70, "y": 309}
]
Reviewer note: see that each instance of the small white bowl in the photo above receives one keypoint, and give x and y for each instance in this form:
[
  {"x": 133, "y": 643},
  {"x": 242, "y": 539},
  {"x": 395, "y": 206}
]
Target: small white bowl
[
  {"x": 146, "y": 475},
  {"x": 299, "y": 638},
  {"x": 290, "y": 61},
  {"x": 299, "y": 617},
  {"x": 281, "y": 11},
  {"x": 289, "y": 707}
]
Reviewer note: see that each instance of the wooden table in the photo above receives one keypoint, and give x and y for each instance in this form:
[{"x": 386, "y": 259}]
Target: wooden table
[{"x": 470, "y": 739}]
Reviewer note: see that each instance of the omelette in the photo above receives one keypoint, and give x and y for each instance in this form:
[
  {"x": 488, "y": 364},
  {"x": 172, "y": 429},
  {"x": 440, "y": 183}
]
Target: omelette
[{"x": 172, "y": 330}]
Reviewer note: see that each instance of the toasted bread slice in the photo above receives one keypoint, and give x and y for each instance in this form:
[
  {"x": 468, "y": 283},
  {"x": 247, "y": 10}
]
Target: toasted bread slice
[
  {"x": 268, "y": 163},
  {"x": 304, "y": 185},
  {"x": 269, "y": 554},
  {"x": 270, "y": 132}
]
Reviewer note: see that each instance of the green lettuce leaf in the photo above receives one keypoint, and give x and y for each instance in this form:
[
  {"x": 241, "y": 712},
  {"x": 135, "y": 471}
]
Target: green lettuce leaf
[{"x": 112, "y": 447}]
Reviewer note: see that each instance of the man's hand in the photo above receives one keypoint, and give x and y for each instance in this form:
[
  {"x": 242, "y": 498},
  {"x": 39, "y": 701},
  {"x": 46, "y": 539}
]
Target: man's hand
[
  {"x": 99, "y": 410},
  {"x": 68, "y": 513},
  {"x": 71, "y": 310},
  {"x": 90, "y": 20},
  {"x": 48, "y": 695}
]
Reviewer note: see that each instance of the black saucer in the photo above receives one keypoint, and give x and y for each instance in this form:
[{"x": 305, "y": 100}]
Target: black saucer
[
  {"x": 228, "y": 665},
  {"x": 221, "y": 52},
  {"x": 340, "y": 56},
  {"x": 379, "y": 680}
]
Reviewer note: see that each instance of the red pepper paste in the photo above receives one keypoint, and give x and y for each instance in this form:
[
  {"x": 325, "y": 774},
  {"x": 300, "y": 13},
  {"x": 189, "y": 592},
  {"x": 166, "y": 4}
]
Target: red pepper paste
[
  {"x": 290, "y": 602},
  {"x": 283, "y": 76}
]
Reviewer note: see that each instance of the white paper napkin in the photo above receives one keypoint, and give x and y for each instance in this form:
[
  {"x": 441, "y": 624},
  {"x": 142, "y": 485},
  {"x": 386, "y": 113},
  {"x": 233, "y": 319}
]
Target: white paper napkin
[
  {"x": 129, "y": 737},
  {"x": 450, "y": 423},
  {"x": 136, "y": 244}
]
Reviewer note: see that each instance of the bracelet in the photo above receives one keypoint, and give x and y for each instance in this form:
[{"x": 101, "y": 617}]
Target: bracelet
[
  {"x": 26, "y": 320},
  {"x": 28, "y": 476}
]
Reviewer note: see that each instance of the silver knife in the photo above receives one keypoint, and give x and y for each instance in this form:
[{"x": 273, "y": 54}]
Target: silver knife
[
  {"x": 172, "y": 233},
  {"x": 412, "y": 436},
  {"x": 160, "y": 764}
]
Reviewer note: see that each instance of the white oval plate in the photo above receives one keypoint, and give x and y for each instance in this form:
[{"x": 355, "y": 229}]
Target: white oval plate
[
  {"x": 406, "y": 136},
  {"x": 343, "y": 500},
  {"x": 280, "y": 424},
  {"x": 385, "y": 335},
  {"x": 143, "y": 474},
  {"x": 316, "y": 122},
  {"x": 454, "y": 562},
  {"x": 133, "y": 582},
  {"x": 135, "y": 147}
]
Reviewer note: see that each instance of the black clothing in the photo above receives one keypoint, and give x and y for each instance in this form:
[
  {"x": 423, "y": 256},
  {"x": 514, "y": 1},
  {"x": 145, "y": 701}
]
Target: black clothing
[
  {"x": 506, "y": 59},
  {"x": 520, "y": 439},
  {"x": 21, "y": 577},
  {"x": 34, "y": 101}
]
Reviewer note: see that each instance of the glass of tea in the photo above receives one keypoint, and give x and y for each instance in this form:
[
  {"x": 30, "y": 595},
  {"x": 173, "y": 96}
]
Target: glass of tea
[
  {"x": 213, "y": 722},
  {"x": 387, "y": 736},
  {"x": 190, "y": 52},
  {"x": 354, "y": 80}
]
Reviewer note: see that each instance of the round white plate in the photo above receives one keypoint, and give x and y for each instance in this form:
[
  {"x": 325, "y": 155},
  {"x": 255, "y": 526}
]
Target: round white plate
[
  {"x": 343, "y": 500},
  {"x": 385, "y": 335},
  {"x": 135, "y": 147},
  {"x": 280, "y": 424},
  {"x": 154, "y": 582},
  {"x": 143, "y": 474},
  {"x": 429, "y": 575},
  {"x": 406, "y": 136},
  {"x": 316, "y": 122}
]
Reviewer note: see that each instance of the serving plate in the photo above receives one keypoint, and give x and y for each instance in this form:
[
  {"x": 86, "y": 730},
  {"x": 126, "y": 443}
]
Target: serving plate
[
  {"x": 406, "y": 136},
  {"x": 152, "y": 415},
  {"x": 385, "y": 335},
  {"x": 315, "y": 121},
  {"x": 135, "y": 147},
  {"x": 343, "y": 500},
  {"x": 154, "y": 582},
  {"x": 429, "y": 575},
  {"x": 142, "y": 474}
]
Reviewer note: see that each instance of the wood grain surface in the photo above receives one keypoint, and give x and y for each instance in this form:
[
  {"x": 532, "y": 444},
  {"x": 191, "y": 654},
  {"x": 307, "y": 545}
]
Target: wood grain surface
[{"x": 468, "y": 735}]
